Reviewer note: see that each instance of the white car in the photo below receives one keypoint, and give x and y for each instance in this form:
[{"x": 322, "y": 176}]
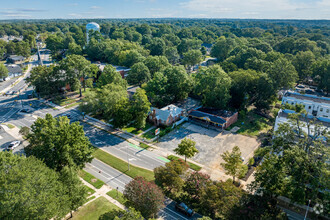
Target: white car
[{"x": 13, "y": 145}]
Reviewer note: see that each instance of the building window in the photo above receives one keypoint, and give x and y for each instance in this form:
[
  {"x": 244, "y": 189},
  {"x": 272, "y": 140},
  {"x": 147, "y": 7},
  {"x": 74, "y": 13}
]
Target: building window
[
  {"x": 309, "y": 107},
  {"x": 292, "y": 103},
  {"x": 328, "y": 110},
  {"x": 321, "y": 109}
]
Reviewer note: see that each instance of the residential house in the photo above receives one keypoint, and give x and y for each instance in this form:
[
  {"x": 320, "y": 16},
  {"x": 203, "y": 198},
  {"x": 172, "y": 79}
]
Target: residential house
[
  {"x": 132, "y": 90},
  {"x": 14, "y": 70},
  {"x": 14, "y": 59},
  {"x": 317, "y": 106},
  {"x": 165, "y": 116}
]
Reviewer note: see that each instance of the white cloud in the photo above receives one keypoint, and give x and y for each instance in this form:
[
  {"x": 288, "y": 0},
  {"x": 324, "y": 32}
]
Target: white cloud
[
  {"x": 95, "y": 7},
  {"x": 258, "y": 8}
]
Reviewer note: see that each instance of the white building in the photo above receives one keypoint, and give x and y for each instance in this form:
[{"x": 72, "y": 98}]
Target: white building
[
  {"x": 282, "y": 117},
  {"x": 316, "y": 106},
  {"x": 91, "y": 26}
]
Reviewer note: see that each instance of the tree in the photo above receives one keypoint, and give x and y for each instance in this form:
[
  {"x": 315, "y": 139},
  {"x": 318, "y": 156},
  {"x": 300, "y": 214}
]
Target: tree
[
  {"x": 192, "y": 57},
  {"x": 74, "y": 48},
  {"x": 303, "y": 62},
  {"x": 3, "y": 71},
  {"x": 265, "y": 92},
  {"x": 24, "y": 131},
  {"x": 76, "y": 67},
  {"x": 321, "y": 74},
  {"x": 156, "y": 47},
  {"x": 186, "y": 148},
  {"x": 213, "y": 85},
  {"x": 169, "y": 177},
  {"x": 233, "y": 163},
  {"x": 179, "y": 83},
  {"x": 172, "y": 55},
  {"x": 297, "y": 166},
  {"x": 283, "y": 74},
  {"x": 138, "y": 74},
  {"x": 29, "y": 189},
  {"x": 156, "y": 64},
  {"x": 195, "y": 184},
  {"x": 156, "y": 90},
  {"x": 59, "y": 143},
  {"x": 144, "y": 196},
  {"x": 219, "y": 198},
  {"x": 74, "y": 189},
  {"x": 223, "y": 47},
  {"x": 110, "y": 75},
  {"x": 129, "y": 214},
  {"x": 140, "y": 107}
]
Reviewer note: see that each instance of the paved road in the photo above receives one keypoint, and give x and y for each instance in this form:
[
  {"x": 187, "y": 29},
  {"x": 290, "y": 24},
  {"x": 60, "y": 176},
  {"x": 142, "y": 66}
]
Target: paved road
[
  {"x": 115, "y": 179},
  {"x": 10, "y": 107}
]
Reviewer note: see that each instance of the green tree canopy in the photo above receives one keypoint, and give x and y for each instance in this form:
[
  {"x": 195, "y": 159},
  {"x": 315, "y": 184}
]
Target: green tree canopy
[
  {"x": 140, "y": 107},
  {"x": 186, "y": 148},
  {"x": 110, "y": 75},
  {"x": 29, "y": 189},
  {"x": 213, "y": 85},
  {"x": 233, "y": 163},
  {"x": 138, "y": 74},
  {"x": 3, "y": 71},
  {"x": 59, "y": 143}
]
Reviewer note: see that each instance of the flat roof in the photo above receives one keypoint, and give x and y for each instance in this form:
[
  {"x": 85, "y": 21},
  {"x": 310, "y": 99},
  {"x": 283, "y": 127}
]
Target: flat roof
[{"x": 319, "y": 99}]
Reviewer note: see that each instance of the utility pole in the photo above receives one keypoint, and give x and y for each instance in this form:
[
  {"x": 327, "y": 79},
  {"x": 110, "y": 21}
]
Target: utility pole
[{"x": 309, "y": 201}]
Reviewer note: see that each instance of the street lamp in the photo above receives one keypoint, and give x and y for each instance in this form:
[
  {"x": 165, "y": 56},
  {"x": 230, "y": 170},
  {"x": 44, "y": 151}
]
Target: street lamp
[{"x": 309, "y": 201}]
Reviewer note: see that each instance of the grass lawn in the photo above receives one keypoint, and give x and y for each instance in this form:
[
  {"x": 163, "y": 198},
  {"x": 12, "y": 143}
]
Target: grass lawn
[
  {"x": 94, "y": 210},
  {"x": 191, "y": 165},
  {"x": 90, "y": 191},
  {"x": 62, "y": 102},
  {"x": 150, "y": 134},
  {"x": 10, "y": 126},
  {"x": 252, "y": 124},
  {"x": 137, "y": 131},
  {"x": 120, "y": 198},
  {"x": 71, "y": 105},
  {"x": 122, "y": 166},
  {"x": 145, "y": 146},
  {"x": 89, "y": 177}
]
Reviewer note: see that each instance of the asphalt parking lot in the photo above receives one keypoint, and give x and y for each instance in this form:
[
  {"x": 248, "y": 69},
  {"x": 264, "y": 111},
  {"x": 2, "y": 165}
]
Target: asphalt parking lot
[{"x": 211, "y": 144}]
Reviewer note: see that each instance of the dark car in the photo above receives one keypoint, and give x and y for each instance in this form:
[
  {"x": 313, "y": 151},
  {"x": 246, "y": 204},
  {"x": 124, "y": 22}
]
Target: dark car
[
  {"x": 25, "y": 110},
  {"x": 183, "y": 208}
]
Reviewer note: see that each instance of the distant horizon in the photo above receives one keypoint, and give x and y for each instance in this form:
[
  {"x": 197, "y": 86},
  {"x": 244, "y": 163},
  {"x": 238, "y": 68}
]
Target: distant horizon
[
  {"x": 160, "y": 18},
  {"x": 134, "y": 9}
]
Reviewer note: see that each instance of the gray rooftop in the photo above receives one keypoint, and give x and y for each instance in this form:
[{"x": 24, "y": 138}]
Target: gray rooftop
[{"x": 319, "y": 99}]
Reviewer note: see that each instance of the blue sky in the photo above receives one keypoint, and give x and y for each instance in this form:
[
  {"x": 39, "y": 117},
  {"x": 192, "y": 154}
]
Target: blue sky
[{"x": 268, "y": 9}]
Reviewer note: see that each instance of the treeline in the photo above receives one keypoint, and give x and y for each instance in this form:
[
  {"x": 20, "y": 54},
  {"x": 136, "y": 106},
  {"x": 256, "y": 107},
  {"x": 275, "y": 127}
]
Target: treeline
[{"x": 16, "y": 47}]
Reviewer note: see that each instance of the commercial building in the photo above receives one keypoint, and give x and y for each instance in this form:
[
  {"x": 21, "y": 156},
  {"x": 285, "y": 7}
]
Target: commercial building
[
  {"x": 317, "y": 106},
  {"x": 214, "y": 117}
]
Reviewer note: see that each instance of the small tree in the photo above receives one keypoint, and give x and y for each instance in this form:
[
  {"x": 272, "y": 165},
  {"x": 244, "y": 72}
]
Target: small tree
[
  {"x": 233, "y": 163},
  {"x": 186, "y": 148},
  {"x": 24, "y": 131},
  {"x": 3, "y": 71},
  {"x": 144, "y": 196},
  {"x": 129, "y": 214}
]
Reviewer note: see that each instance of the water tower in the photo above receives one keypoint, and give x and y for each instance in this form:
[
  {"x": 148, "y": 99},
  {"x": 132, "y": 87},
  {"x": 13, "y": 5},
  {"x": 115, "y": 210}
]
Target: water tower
[{"x": 91, "y": 26}]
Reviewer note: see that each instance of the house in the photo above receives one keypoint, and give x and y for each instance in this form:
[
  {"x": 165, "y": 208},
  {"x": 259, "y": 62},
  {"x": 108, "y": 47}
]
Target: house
[
  {"x": 121, "y": 69},
  {"x": 14, "y": 70},
  {"x": 132, "y": 90},
  {"x": 165, "y": 116},
  {"x": 214, "y": 117},
  {"x": 14, "y": 59},
  {"x": 317, "y": 106}
]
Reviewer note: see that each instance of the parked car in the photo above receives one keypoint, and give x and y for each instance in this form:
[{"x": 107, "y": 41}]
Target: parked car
[
  {"x": 25, "y": 110},
  {"x": 9, "y": 93},
  {"x": 13, "y": 145},
  {"x": 183, "y": 208}
]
